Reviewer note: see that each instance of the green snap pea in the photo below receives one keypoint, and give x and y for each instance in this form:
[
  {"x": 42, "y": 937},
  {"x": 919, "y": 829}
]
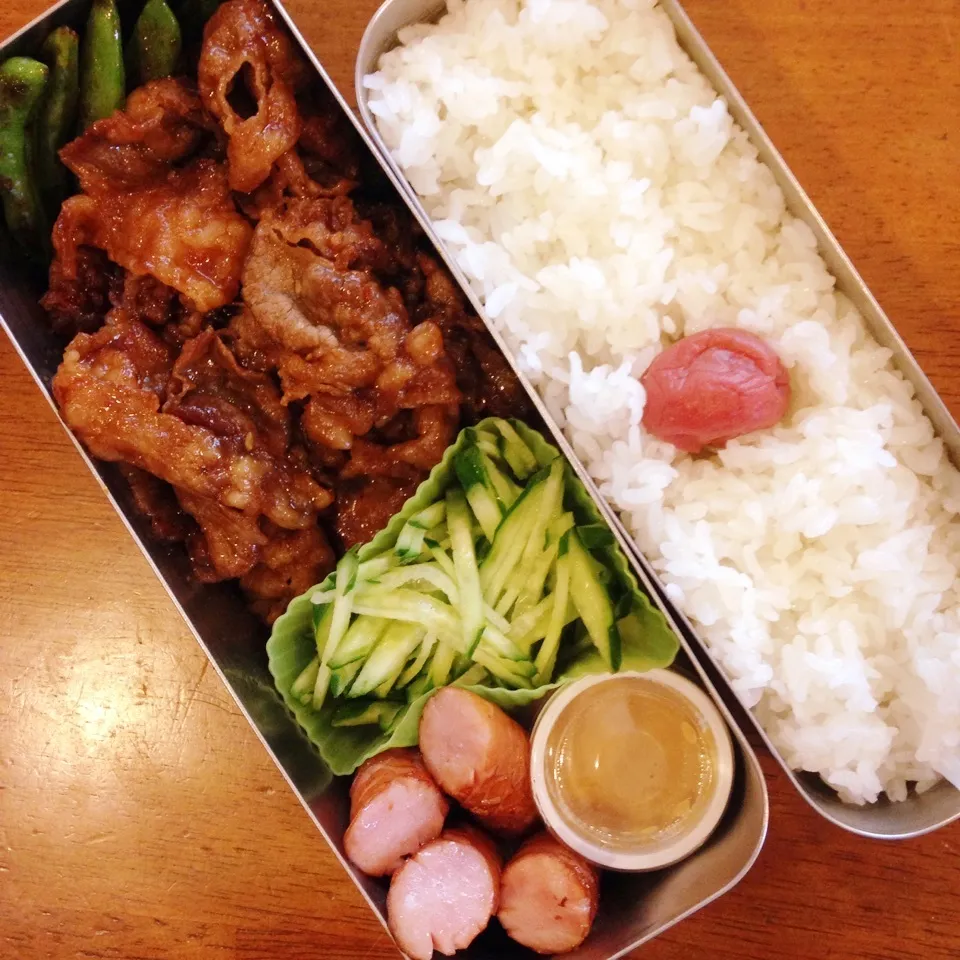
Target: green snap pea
[
  {"x": 22, "y": 82},
  {"x": 102, "y": 82},
  {"x": 154, "y": 49},
  {"x": 57, "y": 114}
]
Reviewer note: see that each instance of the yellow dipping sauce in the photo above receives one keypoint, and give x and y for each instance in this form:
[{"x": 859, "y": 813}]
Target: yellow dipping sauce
[{"x": 629, "y": 763}]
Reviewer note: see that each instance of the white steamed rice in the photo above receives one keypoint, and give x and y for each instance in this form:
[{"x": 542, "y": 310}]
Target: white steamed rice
[{"x": 601, "y": 200}]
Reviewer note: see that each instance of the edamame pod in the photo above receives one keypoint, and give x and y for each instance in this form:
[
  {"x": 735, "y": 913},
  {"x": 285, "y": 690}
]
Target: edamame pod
[
  {"x": 102, "y": 81},
  {"x": 57, "y": 114},
  {"x": 154, "y": 49},
  {"x": 22, "y": 82}
]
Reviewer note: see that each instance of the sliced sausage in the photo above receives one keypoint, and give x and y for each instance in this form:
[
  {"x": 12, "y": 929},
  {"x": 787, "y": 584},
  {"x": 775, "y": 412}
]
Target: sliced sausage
[
  {"x": 480, "y": 757},
  {"x": 443, "y": 897},
  {"x": 395, "y": 808},
  {"x": 549, "y": 896},
  {"x": 713, "y": 386}
]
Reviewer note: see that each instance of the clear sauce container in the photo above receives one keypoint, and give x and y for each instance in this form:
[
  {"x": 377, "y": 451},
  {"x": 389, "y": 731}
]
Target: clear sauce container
[{"x": 632, "y": 770}]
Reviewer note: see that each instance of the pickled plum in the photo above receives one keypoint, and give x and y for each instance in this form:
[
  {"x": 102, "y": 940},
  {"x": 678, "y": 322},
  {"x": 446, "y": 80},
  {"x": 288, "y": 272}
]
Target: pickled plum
[{"x": 713, "y": 386}]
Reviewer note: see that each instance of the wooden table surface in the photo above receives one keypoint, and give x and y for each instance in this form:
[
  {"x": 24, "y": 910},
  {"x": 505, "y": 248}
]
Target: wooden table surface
[{"x": 139, "y": 816}]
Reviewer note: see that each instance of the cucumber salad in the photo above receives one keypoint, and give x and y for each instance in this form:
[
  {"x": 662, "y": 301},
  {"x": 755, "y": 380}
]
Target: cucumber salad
[{"x": 493, "y": 583}]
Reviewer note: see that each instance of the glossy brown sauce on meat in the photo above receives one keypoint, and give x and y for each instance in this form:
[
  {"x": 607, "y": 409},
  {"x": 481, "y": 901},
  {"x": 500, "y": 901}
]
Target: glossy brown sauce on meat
[
  {"x": 365, "y": 507},
  {"x": 261, "y": 336}
]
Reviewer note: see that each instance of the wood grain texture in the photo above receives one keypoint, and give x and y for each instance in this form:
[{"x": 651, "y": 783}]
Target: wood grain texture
[{"x": 140, "y": 818}]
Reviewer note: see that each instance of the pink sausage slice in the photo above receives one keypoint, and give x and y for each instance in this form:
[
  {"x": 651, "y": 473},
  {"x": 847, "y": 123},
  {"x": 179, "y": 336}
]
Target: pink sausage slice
[
  {"x": 395, "y": 808},
  {"x": 481, "y": 757},
  {"x": 549, "y": 896},
  {"x": 443, "y": 897}
]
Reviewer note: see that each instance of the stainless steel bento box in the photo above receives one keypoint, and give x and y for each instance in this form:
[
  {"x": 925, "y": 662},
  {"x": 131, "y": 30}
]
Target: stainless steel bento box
[
  {"x": 882, "y": 820},
  {"x": 634, "y": 908}
]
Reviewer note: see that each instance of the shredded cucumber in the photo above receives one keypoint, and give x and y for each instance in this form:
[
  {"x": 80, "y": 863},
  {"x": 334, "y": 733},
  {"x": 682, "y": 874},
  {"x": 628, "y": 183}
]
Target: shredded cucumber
[
  {"x": 465, "y": 568},
  {"x": 479, "y": 588},
  {"x": 420, "y": 661},
  {"x": 504, "y": 489},
  {"x": 410, "y": 542},
  {"x": 528, "y": 591},
  {"x": 504, "y": 557},
  {"x": 419, "y": 686},
  {"x": 537, "y": 628},
  {"x": 517, "y": 454},
  {"x": 342, "y": 605},
  {"x": 471, "y": 470},
  {"x": 342, "y": 677},
  {"x": 547, "y": 655},
  {"x": 427, "y": 573},
  {"x": 495, "y": 619},
  {"x": 303, "y": 686},
  {"x": 412, "y": 607},
  {"x": 323, "y": 619},
  {"x": 537, "y": 557},
  {"x": 502, "y": 645},
  {"x": 474, "y": 676},
  {"x": 592, "y": 601},
  {"x": 383, "y": 666},
  {"x": 371, "y": 569},
  {"x": 358, "y": 641},
  {"x": 488, "y": 445},
  {"x": 358, "y": 713},
  {"x": 444, "y": 560},
  {"x": 442, "y": 664},
  {"x": 502, "y": 671}
]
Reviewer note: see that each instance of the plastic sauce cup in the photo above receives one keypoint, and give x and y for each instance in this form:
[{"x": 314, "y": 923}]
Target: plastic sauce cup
[{"x": 658, "y": 733}]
